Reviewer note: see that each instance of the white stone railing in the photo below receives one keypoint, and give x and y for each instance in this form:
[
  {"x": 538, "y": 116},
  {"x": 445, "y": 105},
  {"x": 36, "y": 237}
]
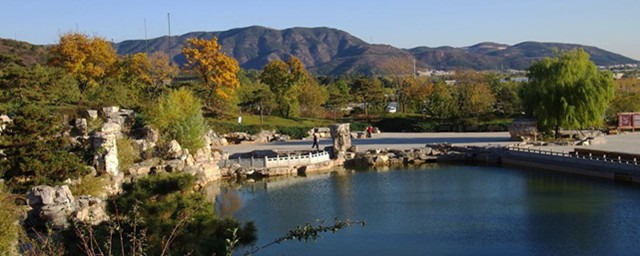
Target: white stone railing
[
  {"x": 279, "y": 161},
  {"x": 598, "y": 158}
]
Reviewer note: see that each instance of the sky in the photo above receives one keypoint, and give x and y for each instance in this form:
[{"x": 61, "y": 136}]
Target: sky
[{"x": 612, "y": 25}]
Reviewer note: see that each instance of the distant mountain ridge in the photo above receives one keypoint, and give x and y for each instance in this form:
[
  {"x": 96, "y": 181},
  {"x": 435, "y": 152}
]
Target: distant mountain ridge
[{"x": 329, "y": 51}]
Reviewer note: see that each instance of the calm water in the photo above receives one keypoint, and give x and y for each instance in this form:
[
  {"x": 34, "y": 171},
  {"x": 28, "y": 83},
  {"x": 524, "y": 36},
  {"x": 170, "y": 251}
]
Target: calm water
[{"x": 444, "y": 210}]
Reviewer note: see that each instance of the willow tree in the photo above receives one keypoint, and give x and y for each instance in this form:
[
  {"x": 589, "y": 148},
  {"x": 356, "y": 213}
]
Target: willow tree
[
  {"x": 88, "y": 59},
  {"x": 218, "y": 71},
  {"x": 567, "y": 91}
]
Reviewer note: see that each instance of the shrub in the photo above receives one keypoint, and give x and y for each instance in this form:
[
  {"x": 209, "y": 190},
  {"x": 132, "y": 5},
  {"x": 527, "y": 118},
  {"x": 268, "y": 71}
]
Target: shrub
[
  {"x": 178, "y": 116},
  {"x": 294, "y": 132},
  {"x": 89, "y": 185},
  {"x": 35, "y": 152},
  {"x": 161, "y": 204},
  {"x": 9, "y": 216},
  {"x": 128, "y": 154}
]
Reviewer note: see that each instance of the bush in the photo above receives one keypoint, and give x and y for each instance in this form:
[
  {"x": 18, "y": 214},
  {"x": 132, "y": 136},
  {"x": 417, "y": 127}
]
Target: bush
[
  {"x": 224, "y": 127},
  {"x": 35, "y": 154},
  {"x": 9, "y": 216},
  {"x": 89, "y": 185},
  {"x": 159, "y": 204},
  {"x": 128, "y": 154},
  {"x": 178, "y": 116},
  {"x": 294, "y": 132}
]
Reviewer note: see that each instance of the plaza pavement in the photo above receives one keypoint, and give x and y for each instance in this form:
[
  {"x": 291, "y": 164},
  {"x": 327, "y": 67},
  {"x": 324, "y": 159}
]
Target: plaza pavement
[{"x": 626, "y": 143}]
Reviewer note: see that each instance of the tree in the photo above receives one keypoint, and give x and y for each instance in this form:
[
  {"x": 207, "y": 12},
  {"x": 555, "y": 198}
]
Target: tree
[
  {"x": 567, "y": 91},
  {"x": 474, "y": 94},
  {"x": 260, "y": 100},
  {"x": 441, "y": 103},
  {"x": 312, "y": 97},
  {"x": 369, "y": 92},
  {"x": 412, "y": 92},
  {"x": 88, "y": 59},
  {"x": 35, "y": 152},
  {"x": 285, "y": 80},
  {"x": 214, "y": 67},
  {"x": 154, "y": 72},
  {"x": 178, "y": 116},
  {"x": 338, "y": 97}
]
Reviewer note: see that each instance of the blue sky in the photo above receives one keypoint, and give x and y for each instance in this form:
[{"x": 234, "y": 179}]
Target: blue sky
[{"x": 612, "y": 24}]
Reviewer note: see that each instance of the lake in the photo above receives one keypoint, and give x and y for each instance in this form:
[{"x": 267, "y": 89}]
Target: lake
[{"x": 443, "y": 210}]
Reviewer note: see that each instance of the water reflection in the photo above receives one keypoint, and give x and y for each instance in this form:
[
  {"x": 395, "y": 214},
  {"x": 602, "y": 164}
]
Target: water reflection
[{"x": 439, "y": 209}]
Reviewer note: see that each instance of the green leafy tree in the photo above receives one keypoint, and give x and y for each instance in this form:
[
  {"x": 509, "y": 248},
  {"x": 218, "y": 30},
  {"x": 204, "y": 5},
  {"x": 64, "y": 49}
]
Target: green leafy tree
[
  {"x": 161, "y": 215},
  {"x": 178, "y": 116},
  {"x": 20, "y": 85},
  {"x": 567, "y": 91},
  {"x": 369, "y": 92},
  {"x": 412, "y": 92},
  {"x": 474, "y": 95},
  {"x": 442, "y": 103},
  {"x": 35, "y": 152},
  {"x": 506, "y": 91},
  {"x": 286, "y": 80},
  {"x": 312, "y": 98},
  {"x": 338, "y": 97},
  {"x": 627, "y": 99},
  {"x": 261, "y": 101}
]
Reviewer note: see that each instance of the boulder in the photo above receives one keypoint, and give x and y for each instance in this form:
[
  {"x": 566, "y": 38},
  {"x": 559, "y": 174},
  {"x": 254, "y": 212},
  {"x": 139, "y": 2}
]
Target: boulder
[
  {"x": 107, "y": 158},
  {"x": 523, "y": 129},
  {"x": 341, "y": 138},
  {"x": 50, "y": 206},
  {"x": 92, "y": 114},
  {"x": 80, "y": 127},
  {"x": 90, "y": 210},
  {"x": 174, "y": 150}
]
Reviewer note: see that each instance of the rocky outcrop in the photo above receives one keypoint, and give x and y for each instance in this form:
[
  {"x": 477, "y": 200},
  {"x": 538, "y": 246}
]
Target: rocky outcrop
[
  {"x": 341, "y": 140},
  {"x": 53, "y": 206},
  {"x": 50, "y": 206},
  {"x": 90, "y": 210},
  {"x": 523, "y": 130},
  {"x": 105, "y": 143}
]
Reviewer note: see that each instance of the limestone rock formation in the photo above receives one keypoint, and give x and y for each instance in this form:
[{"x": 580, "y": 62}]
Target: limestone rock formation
[
  {"x": 341, "y": 139},
  {"x": 523, "y": 130},
  {"x": 50, "y": 206}
]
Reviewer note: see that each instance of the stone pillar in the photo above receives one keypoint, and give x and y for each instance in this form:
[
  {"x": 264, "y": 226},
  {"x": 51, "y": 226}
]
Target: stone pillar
[
  {"x": 341, "y": 135},
  {"x": 105, "y": 142}
]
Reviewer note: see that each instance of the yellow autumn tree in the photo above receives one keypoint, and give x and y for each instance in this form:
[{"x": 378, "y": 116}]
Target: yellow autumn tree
[
  {"x": 155, "y": 71},
  {"x": 214, "y": 67},
  {"x": 88, "y": 59}
]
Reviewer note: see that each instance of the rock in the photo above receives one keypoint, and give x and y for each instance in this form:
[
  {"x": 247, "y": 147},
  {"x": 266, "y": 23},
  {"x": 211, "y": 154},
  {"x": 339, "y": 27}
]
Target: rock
[
  {"x": 341, "y": 139},
  {"x": 174, "y": 150},
  {"x": 523, "y": 129},
  {"x": 50, "y": 206},
  {"x": 92, "y": 114},
  {"x": 90, "y": 210},
  {"x": 174, "y": 165},
  {"x": 4, "y": 120},
  {"x": 80, "y": 127},
  {"x": 110, "y": 112},
  {"x": 107, "y": 159}
]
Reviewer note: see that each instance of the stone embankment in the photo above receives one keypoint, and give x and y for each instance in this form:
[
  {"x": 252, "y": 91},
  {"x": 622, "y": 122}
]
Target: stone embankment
[{"x": 431, "y": 153}]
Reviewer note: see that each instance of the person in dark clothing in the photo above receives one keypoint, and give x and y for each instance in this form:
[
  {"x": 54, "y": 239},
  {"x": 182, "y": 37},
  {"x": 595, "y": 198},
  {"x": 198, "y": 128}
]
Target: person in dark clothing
[{"x": 315, "y": 142}]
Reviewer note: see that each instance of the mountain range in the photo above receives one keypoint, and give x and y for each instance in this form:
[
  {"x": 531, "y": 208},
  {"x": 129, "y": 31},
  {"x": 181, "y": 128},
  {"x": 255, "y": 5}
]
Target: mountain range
[{"x": 329, "y": 51}]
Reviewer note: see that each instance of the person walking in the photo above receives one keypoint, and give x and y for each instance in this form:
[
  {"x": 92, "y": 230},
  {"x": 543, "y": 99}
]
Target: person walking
[{"x": 315, "y": 142}]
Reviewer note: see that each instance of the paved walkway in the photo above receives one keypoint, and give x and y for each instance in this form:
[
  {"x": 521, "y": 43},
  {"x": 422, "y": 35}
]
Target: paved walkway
[{"x": 625, "y": 143}]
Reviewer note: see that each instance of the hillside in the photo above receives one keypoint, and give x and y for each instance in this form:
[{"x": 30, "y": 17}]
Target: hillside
[
  {"x": 29, "y": 53},
  {"x": 329, "y": 51}
]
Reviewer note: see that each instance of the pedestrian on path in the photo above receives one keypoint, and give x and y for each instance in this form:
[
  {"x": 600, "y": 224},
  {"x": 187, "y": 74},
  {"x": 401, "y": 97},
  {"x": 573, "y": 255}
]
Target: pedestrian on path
[{"x": 315, "y": 142}]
